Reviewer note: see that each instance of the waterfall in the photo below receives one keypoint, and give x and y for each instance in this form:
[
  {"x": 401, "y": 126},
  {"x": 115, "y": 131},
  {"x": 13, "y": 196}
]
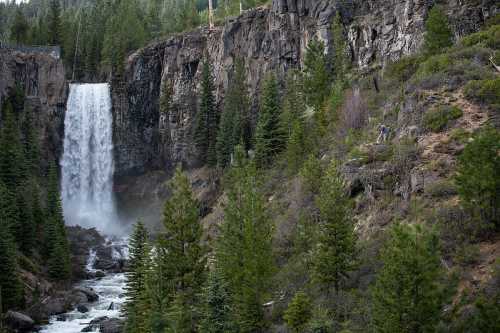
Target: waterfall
[{"x": 87, "y": 163}]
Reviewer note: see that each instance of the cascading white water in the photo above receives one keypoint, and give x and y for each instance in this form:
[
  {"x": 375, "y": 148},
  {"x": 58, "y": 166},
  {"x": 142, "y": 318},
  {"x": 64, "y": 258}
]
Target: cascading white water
[{"x": 87, "y": 163}]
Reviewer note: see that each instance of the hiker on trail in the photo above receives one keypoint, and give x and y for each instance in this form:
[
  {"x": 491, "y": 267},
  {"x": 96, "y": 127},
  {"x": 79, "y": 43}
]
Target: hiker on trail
[{"x": 383, "y": 133}]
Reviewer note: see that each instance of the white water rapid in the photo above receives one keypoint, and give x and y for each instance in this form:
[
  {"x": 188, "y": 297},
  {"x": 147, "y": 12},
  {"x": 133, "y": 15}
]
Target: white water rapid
[
  {"x": 87, "y": 162},
  {"x": 110, "y": 289}
]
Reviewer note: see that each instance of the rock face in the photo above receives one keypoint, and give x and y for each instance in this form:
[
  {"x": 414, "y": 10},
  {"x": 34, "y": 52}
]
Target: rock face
[
  {"x": 42, "y": 78},
  {"x": 267, "y": 39},
  {"x": 18, "y": 321}
]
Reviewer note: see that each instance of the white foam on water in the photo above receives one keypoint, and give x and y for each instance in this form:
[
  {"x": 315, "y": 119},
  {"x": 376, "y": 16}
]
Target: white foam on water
[{"x": 87, "y": 164}]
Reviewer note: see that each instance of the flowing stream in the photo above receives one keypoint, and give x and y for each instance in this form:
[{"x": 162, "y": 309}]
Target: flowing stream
[{"x": 110, "y": 291}]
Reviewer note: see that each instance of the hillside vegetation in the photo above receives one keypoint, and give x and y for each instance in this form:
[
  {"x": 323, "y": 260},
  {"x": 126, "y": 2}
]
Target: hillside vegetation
[{"x": 360, "y": 202}]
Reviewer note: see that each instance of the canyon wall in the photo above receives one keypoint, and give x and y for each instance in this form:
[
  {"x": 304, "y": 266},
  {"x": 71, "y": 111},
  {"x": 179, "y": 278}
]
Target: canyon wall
[
  {"x": 268, "y": 39},
  {"x": 41, "y": 76}
]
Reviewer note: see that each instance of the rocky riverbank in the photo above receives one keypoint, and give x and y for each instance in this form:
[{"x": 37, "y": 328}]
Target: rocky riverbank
[{"x": 94, "y": 258}]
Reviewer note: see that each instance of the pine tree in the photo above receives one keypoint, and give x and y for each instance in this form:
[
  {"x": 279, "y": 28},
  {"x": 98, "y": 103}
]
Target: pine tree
[
  {"x": 294, "y": 107},
  {"x": 341, "y": 60},
  {"x": 54, "y": 23},
  {"x": 244, "y": 253},
  {"x": 298, "y": 313},
  {"x": 56, "y": 242},
  {"x": 317, "y": 75},
  {"x": 9, "y": 212},
  {"x": 206, "y": 119},
  {"x": 438, "y": 34},
  {"x": 477, "y": 175},
  {"x": 269, "y": 139},
  {"x": 296, "y": 148},
  {"x": 11, "y": 150},
  {"x": 408, "y": 295},
  {"x": 235, "y": 123},
  {"x": 19, "y": 28},
  {"x": 335, "y": 252},
  {"x": 26, "y": 230},
  {"x": 10, "y": 283},
  {"x": 136, "y": 304},
  {"x": 183, "y": 256},
  {"x": 217, "y": 307},
  {"x": 31, "y": 144}
]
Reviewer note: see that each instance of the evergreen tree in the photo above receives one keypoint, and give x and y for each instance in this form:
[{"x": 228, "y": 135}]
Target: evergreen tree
[
  {"x": 296, "y": 148},
  {"x": 235, "y": 121},
  {"x": 19, "y": 28},
  {"x": 136, "y": 303},
  {"x": 25, "y": 232},
  {"x": 11, "y": 150},
  {"x": 9, "y": 212},
  {"x": 31, "y": 145},
  {"x": 244, "y": 253},
  {"x": 56, "y": 242},
  {"x": 335, "y": 252},
  {"x": 269, "y": 139},
  {"x": 206, "y": 119},
  {"x": 54, "y": 23},
  {"x": 408, "y": 295},
  {"x": 294, "y": 107},
  {"x": 477, "y": 175},
  {"x": 298, "y": 313},
  {"x": 341, "y": 60},
  {"x": 217, "y": 307},
  {"x": 438, "y": 34},
  {"x": 124, "y": 32},
  {"x": 317, "y": 75},
  {"x": 183, "y": 256},
  {"x": 10, "y": 283}
]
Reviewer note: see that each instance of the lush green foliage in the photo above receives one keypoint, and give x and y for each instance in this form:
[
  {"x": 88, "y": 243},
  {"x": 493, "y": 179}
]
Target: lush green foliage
[
  {"x": 269, "y": 139},
  {"x": 206, "y": 119},
  {"x": 335, "y": 252},
  {"x": 408, "y": 294},
  {"x": 234, "y": 126},
  {"x": 484, "y": 91},
  {"x": 243, "y": 250},
  {"x": 437, "y": 119},
  {"x": 136, "y": 304},
  {"x": 438, "y": 34},
  {"x": 477, "y": 175},
  {"x": 298, "y": 312}
]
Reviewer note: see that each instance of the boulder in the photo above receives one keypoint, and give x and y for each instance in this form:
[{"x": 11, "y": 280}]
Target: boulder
[
  {"x": 18, "y": 321},
  {"x": 90, "y": 294},
  {"x": 105, "y": 325},
  {"x": 112, "y": 325},
  {"x": 82, "y": 308}
]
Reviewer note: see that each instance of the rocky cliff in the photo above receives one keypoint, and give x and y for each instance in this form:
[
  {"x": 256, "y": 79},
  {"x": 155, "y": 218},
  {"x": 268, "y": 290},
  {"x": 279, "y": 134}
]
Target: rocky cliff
[
  {"x": 270, "y": 38},
  {"x": 41, "y": 77}
]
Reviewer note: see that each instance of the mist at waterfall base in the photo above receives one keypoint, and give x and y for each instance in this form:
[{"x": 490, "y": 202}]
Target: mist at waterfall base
[{"x": 87, "y": 163}]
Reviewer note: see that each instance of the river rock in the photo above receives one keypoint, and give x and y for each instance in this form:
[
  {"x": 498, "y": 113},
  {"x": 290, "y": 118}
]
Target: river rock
[
  {"x": 88, "y": 292},
  {"x": 18, "y": 321},
  {"x": 82, "y": 308},
  {"x": 105, "y": 325}
]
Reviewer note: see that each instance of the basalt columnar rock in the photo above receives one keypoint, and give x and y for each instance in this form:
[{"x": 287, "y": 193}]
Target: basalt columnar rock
[
  {"x": 41, "y": 76},
  {"x": 268, "y": 39}
]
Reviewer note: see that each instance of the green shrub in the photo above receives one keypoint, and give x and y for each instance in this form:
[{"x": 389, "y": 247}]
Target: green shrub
[
  {"x": 435, "y": 64},
  {"x": 441, "y": 188},
  {"x": 484, "y": 91},
  {"x": 403, "y": 69},
  {"x": 437, "y": 119},
  {"x": 477, "y": 178},
  {"x": 489, "y": 38},
  {"x": 460, "y": 135},
  {"x": 311, "y": 173}
]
